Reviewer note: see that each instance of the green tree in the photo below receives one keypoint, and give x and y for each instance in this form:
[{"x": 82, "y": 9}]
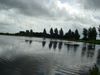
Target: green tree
[
  {"x": 85, "y": 33},
  {"x": 76, "y": 35},
  {"x": 90, "y": 35},
  {"x": 51, "y": 31},
  {"x": 44, "y": 31},
  {"x": 72, "y": 37},
  {"x": 61, "y": 33},
  {"x": 31, "y": 31},
  {"x": 69, "y": 34},
  {"x": 99, "y": 30},
  {"x": 27, "y": 31},
  {"x": 94, "y": 33},
  {"x": 56, "y": 31}
]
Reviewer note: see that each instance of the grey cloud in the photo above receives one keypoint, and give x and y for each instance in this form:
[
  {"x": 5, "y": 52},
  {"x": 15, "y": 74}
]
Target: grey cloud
[
  {"x": 4, "y": 24},
  {"x": 29, "y": 7},
  {"x": 40, "y": 13},
  {"x": 91, "y": 4}
]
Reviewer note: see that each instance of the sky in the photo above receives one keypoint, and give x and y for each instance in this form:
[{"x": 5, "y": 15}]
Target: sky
[{"x": 16, "y": 15}]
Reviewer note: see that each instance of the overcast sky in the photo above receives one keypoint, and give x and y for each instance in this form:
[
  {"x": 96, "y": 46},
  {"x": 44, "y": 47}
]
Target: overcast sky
[{"x": 18, "y": 15}]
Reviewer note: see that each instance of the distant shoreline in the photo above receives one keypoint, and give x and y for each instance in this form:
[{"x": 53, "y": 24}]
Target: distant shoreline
[{"x": 80, "y": 40}]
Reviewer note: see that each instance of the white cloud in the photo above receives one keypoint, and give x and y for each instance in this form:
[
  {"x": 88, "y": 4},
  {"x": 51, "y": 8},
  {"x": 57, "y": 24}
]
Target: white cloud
[{"x": 39, "y": 14}]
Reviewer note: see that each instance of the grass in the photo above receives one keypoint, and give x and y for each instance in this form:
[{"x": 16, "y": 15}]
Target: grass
[
  {"x": 91, "y": 41},
  {"x": 94, "y": 71}
]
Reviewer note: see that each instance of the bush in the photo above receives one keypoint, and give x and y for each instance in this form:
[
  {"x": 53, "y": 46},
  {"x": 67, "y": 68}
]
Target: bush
[{"x": 94, "y": 71}]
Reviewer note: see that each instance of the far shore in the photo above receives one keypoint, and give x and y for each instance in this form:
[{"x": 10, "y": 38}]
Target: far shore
[{"x": 80, "y": 40}]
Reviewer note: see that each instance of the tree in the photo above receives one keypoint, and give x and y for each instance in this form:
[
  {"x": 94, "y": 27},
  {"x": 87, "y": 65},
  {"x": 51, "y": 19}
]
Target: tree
[
  {"x": 76, "y": 35},
  {"x": 99, "y": 30},
  {"x": 72, "y": 37},
  {"x": 94, "y": 33},
  {"x": 90, "y": 36},
  {"x": 69, "y": 34},
  {"x": 61, "y": 33},
  {"x": 56, "y": 31},
  {"x": 31, "y": 31},
  {"x": 44, "y": 31},
  {"x": 85, "y": 33},
  {"x": 51, "y": 31},
  {"x": 27, "y": 31}
]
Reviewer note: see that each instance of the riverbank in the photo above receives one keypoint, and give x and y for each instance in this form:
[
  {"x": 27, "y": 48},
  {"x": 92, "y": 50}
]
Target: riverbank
[
  {"x": 80, "y": 40},
  {"x": 91, "y": 41}
]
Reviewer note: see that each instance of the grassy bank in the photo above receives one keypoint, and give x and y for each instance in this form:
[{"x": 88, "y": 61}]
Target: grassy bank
[
  {"x": 91, "y": 41},
  {"x": 85, "y": 41}
]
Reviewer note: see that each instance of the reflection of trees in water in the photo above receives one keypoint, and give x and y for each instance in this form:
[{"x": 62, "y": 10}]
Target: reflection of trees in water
[
  {"x": 84, "y": 50},
  {"x": 43, "y": 43},
  {"x": 98, "y": 57},
  {"x": 60, "y": 45},
  {"x": 55, "y": 45},
  {"x": 73, "y": 47},
  {"x": 28, "y": 41},
  {"x": 50, "y": 44},
  {"x": 68, "y": 46},
  {"x": 88, "y": 50}
]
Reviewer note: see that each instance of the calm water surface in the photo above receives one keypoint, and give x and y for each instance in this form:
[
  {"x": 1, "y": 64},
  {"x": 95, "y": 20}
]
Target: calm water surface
[{"x": 37, "y": 56}]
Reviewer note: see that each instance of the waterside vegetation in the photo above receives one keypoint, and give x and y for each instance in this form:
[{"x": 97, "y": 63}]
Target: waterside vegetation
[
  {"x": 89, "y": 35},
  {"x": 94, "y": 71}
]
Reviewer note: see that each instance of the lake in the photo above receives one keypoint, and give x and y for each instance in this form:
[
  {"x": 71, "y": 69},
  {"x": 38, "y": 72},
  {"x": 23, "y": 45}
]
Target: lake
[{"x": 39, "y": 56}]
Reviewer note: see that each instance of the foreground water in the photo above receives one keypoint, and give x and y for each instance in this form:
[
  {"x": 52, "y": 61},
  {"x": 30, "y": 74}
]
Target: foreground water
[{"x": 37, "y": 56}]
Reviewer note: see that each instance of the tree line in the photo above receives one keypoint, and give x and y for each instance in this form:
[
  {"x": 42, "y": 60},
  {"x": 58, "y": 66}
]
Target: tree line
[{"x": 88, "y": 34}]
